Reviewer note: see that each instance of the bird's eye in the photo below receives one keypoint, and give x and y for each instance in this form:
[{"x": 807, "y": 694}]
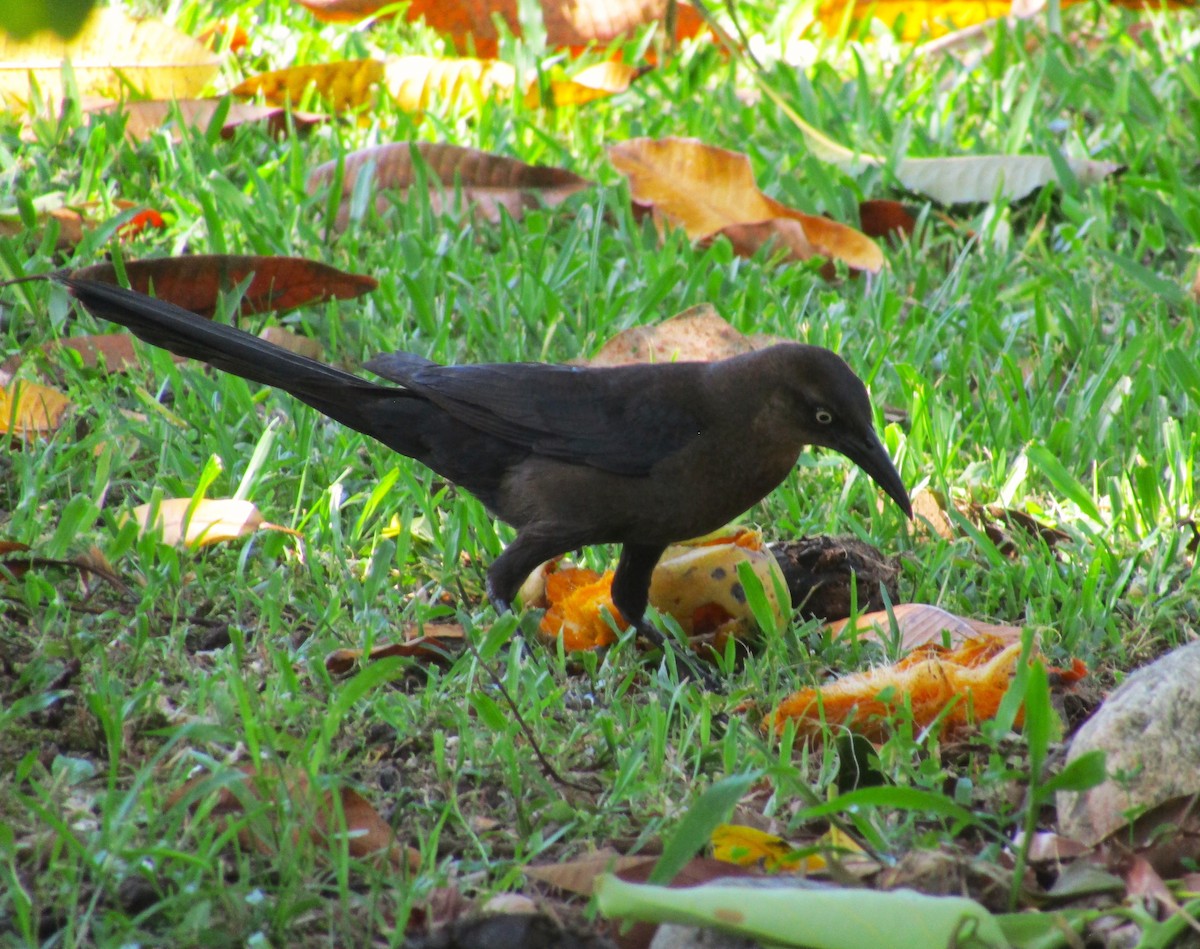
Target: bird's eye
[{"x": 824, "y": 416}]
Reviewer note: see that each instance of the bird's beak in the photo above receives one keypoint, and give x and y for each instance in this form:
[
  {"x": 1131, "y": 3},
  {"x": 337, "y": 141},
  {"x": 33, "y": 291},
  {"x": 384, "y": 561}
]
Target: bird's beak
[{"x": 870, "y": 455}]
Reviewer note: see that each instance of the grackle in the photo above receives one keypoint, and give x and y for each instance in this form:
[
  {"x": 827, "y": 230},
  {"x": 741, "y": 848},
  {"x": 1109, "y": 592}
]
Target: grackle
[{"x": 641, "y": 456}]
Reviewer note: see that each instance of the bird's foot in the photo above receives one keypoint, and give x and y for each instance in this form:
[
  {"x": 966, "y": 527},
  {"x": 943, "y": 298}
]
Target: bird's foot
[{"x": 689, "y": 665}]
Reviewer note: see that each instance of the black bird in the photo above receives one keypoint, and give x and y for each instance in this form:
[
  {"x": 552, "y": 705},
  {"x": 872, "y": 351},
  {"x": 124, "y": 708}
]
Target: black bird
[{"x": 641, "y": 456}]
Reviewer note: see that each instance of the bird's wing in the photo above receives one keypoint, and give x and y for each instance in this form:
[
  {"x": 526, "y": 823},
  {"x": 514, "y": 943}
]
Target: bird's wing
[{"x": 621, "y": 420}]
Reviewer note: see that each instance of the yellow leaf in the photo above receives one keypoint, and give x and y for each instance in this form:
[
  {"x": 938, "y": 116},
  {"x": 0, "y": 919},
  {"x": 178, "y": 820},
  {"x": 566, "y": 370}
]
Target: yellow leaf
[
  {"x": 111, "y": 53},
  {"x": 210, "y": 521},
  {"x": 28, "y": 409},
  {"x": 747, "y": 847},
  {"x": 416, "y": 82},
  {"x": 345, "y": 85}
]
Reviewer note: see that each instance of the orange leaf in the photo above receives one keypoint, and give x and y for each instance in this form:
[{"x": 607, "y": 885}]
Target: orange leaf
[
  {"x": 196, "y": 281},
  {"x": 705, "y": 190}
]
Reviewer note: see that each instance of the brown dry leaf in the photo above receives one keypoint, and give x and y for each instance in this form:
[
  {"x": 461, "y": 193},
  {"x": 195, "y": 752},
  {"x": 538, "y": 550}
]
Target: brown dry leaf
[
  {"x": 706, "y": 190},
  {"x": 919, "y": 624},
  {"x": 212, "y": 520},
  {"x": 698, "y": 334},
  {"x": 13, "y": 560},
  {"x": 880, "y": 217},
  {"x": 929, "y": 515},
  {"x": 146, "y": 117},
  {"x": 579, "y": 876},
  {"x": 112, "y": 53},
  {"x": 487, "y": 181},
  {"x": 365, "y": 832},
  {"x": 343, "y": 85},
  {"x": 418, "y": 82},
  {"x": 292, "y": 342},
  {"x": 29, "y": 409},
  {"x": 957, "y": 686},
  {"x": 440, "y": 642},
  {"x": 472, "y": 24},
  {"x": 17, "y": 559},
  {"x": 196, "y": 281}
]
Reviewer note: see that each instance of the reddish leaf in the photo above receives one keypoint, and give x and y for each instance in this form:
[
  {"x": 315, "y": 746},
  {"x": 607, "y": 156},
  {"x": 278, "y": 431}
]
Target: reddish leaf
[{"x": 195, "y": 282}]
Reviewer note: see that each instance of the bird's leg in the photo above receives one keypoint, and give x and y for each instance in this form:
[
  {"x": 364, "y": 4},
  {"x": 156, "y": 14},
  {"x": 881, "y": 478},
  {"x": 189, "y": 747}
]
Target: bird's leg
[
  {"x": 513, "y": 567},
  {"x": 631, "y": 594}
]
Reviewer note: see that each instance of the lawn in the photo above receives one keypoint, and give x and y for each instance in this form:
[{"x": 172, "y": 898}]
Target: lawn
[{"x": 1037, "y": 356}]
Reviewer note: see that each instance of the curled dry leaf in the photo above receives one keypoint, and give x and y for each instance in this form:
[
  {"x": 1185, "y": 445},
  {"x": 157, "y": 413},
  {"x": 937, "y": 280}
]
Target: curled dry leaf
[
  {"x": 196, "y": 281},
  {"x": 706, "y": 190},
  {"x": 111, "y": 54},
  {"x": 440, "y": 643},
  {"x": 29, "y": 410},
  {"x": 957, "y": 687},
  {"x": 209, "y": 521},
  {"x": 487, "y": 181},
  {"x": 698, "y": 334},
  {"x": 276, "y": 793},
  {"x": 146, "y": 117},
  {"x": 919, "y": 624}
]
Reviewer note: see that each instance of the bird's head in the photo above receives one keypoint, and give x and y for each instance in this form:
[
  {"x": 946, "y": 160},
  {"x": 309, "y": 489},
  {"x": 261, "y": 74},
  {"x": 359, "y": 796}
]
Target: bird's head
[{"x": 833, "y": 410}]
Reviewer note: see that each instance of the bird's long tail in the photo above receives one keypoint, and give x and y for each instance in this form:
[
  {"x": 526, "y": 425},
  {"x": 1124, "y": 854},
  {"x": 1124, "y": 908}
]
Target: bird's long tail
[{"x": 340, "y": 395}]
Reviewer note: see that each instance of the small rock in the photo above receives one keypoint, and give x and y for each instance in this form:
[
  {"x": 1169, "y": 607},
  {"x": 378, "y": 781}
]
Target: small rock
[{"x": 1148, "y": 730}]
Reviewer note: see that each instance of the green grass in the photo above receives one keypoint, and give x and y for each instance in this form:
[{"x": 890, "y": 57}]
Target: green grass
[{"x": 1044, "y": 354}]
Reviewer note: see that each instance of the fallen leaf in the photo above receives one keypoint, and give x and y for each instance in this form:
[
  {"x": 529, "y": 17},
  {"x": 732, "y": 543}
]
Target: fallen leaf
[
  {"x": 29, "y": 409},
  {"x": 114, "y": 52},
  {"x": 276, "y": 793},
  {"x": 920, "y": 624},
  {"x": 145, "y": 118},
  {"x": 698, "y": 334},
  {"x": 595, "y": 82},
  {"x": 75, "y": 221},
  {"x": 488, "y": 182},
  {"x": 208, "y": 521},
  {"x": 579, "y": 876},
  {"x": 293, "y": 342},
  {"x": 342, "y": 85},
  {"x": 472, "y": 23},
  {"x": 439, "y": 644},
  {"x": 17, "y": 559},
  {"x": 196, "y": 281},
  {"x": 417, "y": 83},
  {"x": 707, "y": 190}
]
